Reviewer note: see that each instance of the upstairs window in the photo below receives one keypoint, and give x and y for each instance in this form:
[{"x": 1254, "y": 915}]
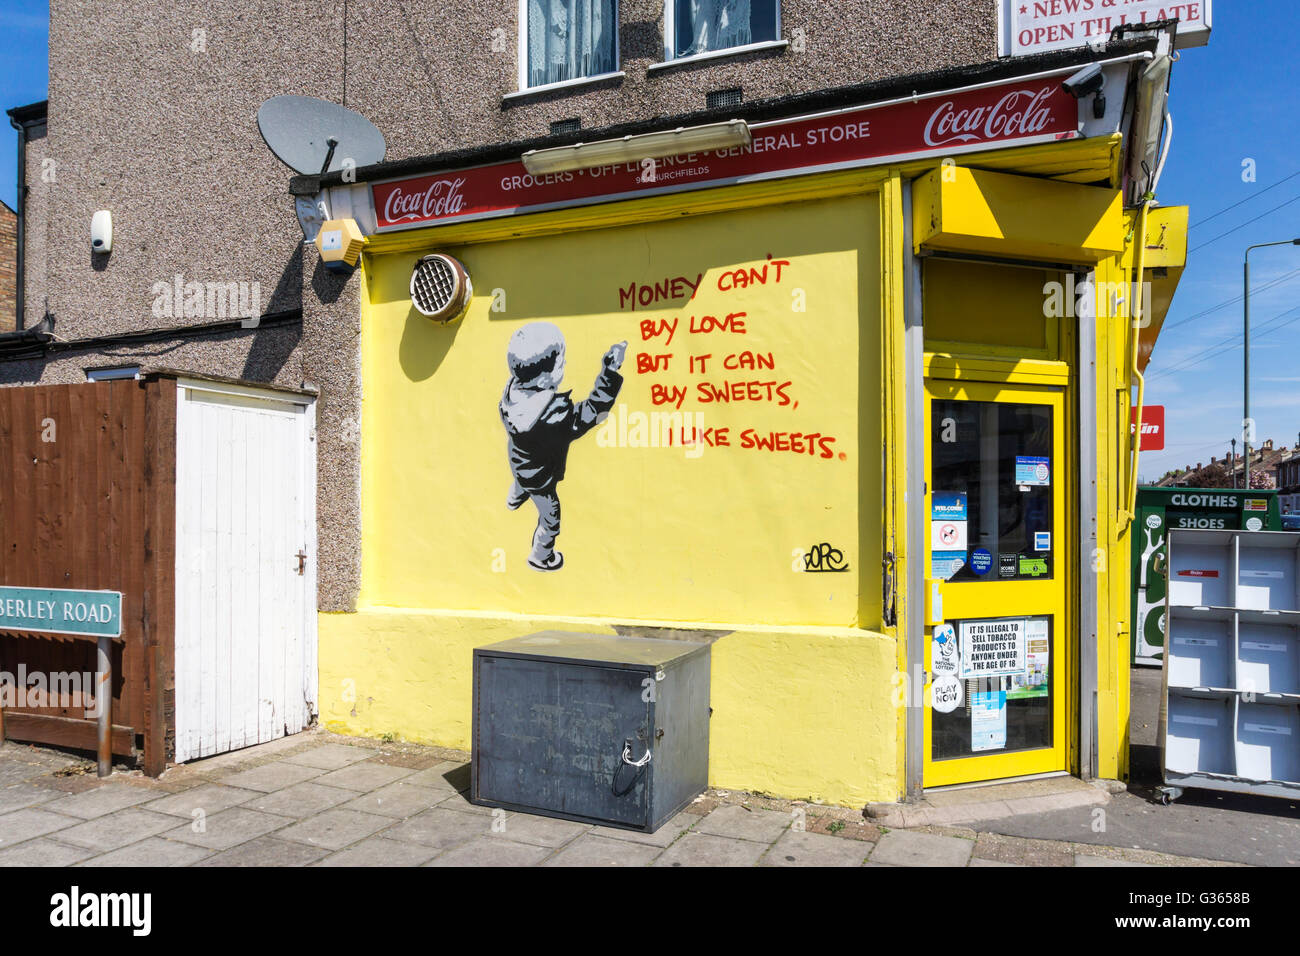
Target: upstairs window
[
  {"x": 569, "y": 40},
  {"x": 697, "y": 27}
]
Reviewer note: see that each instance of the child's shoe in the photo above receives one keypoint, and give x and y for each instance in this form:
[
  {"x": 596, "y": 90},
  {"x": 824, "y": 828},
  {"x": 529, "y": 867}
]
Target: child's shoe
[{"x": 553, "y": 563}]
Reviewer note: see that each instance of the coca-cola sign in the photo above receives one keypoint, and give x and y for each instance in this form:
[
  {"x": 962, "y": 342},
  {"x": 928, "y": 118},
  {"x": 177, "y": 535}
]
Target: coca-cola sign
[
  {"x": 948, "y": 124},
  {"x": 1018, "y": 113},
  {"x": 440, "y": 199}
]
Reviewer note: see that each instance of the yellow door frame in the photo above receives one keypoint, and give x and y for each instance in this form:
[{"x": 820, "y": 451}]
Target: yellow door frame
[{"x": 993, "y": 599}]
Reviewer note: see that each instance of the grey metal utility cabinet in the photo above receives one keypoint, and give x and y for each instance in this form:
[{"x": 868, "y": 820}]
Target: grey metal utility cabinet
[{"x": 586, "y": 727}]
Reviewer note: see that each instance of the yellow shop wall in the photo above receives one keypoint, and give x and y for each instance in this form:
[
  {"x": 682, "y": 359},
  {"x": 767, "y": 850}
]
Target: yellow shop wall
[
  {"x": 646, "y": 532},
  {"x": 803, "y": 683}
]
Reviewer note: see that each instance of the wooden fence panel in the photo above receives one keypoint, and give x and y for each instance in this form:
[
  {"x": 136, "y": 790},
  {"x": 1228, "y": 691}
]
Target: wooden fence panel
[{"x": 79, "y": 508}]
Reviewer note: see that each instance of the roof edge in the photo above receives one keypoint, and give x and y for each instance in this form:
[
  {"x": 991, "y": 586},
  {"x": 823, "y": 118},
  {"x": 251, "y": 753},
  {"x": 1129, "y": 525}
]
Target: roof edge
[{"x": 31, "y": 113}]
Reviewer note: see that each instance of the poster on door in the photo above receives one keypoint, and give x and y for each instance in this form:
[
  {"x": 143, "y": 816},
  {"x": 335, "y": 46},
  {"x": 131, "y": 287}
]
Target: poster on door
[
  {"x": 1038, "y": 652},
  {"x": 948, "y": 534},
  {"x": 993, "y": 648},
  {"x": 988, "y": 721}
]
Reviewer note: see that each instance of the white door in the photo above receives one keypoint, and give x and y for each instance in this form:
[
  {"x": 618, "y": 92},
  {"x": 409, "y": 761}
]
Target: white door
[{"x": 245, "y": 566}]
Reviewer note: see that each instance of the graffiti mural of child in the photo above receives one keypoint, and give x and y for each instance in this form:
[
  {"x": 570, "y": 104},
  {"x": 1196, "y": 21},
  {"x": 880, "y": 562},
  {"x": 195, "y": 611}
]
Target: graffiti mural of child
[{"x": 542, "y": 421}]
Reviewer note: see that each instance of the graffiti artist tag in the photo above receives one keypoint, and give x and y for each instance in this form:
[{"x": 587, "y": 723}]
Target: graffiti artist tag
[{"x": 823, "y": 557}]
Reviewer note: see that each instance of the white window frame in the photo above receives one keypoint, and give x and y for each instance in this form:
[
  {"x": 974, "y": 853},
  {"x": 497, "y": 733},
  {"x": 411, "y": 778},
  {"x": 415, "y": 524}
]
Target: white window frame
[
  {"x": 522, "y": 60},
  {"x": 112, "y": 373},
  {"x": 670, "y": 38}
]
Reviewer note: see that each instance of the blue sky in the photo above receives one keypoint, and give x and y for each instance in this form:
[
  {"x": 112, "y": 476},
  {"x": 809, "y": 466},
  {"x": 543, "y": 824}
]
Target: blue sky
[
  {"x": 24, "y": 76},
  {"x": 1231, "y": 102}
]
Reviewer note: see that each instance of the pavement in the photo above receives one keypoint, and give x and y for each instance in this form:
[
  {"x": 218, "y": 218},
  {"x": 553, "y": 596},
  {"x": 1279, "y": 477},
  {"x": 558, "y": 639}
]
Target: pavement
[{"x": 317, "y": 799}]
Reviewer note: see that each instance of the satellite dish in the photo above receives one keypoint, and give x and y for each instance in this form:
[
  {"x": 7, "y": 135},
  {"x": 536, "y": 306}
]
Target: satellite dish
[{"x": 315, "y": 136}]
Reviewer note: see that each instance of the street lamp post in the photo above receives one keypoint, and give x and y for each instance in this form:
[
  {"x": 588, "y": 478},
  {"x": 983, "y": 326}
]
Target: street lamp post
[
  {"x": 1232, "y": 465},
  {"x": 1245, "y": 367}
]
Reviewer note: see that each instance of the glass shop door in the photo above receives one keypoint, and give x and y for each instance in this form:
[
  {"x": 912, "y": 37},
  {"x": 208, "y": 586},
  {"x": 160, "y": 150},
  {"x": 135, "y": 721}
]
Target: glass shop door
[{"x": 997, "y": 575}]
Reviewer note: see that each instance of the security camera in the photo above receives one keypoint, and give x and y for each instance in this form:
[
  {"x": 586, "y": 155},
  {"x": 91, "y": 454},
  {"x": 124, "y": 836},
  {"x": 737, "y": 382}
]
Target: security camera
[{"x": 1089, "y": 82}]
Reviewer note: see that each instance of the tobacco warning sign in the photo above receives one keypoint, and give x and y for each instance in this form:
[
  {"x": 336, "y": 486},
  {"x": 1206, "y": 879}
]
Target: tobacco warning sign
[{"x": 993, "y": 648}]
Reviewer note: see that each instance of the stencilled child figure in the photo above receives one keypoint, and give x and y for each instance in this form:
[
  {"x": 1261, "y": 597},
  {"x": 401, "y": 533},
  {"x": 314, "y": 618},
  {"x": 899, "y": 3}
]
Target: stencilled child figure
[{"x": 541, "y": 422}]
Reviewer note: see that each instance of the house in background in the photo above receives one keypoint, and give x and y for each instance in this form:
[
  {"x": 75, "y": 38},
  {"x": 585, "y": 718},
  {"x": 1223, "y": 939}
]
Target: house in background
[{"x": 1269, "y": 468}]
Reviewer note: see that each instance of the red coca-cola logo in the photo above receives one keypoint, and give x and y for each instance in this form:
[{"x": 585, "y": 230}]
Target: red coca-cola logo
[
  {"x": 1018, "y": 113},
  {"x": 442, "y": 198}
]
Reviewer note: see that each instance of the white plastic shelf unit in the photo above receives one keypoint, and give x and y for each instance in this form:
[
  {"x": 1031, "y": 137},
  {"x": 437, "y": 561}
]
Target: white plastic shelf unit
[{"x": 1231, "y": 707}]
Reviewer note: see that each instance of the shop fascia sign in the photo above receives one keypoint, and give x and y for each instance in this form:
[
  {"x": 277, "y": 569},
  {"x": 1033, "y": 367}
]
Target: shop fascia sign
[
  {"x": 1015, "y": 113},
  {"x": 61, "y": 611},
  {"x": 1039, "y": 26}
]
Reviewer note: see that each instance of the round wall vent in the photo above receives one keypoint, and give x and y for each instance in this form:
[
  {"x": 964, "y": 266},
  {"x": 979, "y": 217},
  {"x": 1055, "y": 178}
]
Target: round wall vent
[{"x": 440, "y": 288}]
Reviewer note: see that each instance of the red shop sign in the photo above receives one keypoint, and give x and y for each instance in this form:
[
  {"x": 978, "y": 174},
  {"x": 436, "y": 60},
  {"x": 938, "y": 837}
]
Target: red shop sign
[
  {"x": 1153, "y": 426},
  {"x": 946, "y": 124}
]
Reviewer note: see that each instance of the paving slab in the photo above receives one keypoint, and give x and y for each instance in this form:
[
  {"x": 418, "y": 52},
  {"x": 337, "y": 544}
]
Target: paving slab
[
  {"x": 981, "y": 862},
  {"x": 18, "y": 796},
  {"x": 271, "y": 776},
  {"x": 801, "y": 848},
  {"x": 666, "y": 834},
  {"x": 538, "y": 830},
  {"x": 19, "y": 825},
  {"x": 209, "y": 797},
  {"x": 399, "y": 800},
  {"x": 438, "y": 828},
  {"x": 379, "y": 851},
  {"x": 114, "y": 830},
  {"x": 43, "y": 852},
  {"x": 364, "y": 777},
  {"x": 227, "y": 828},
  {"x": 706, "y": 849},
  {"x": 741, "y": 823},
  {"x": 460, "y": 802},
  {"x": 17, "y": 771},
  {"x": 331, "y": 756},
  {"x": 591, "y": 849},
  {"x": 908, "y": 848},
  {"x": 335, "y": 829},
  {"x": 153, "y": 851},
  {"x": 106, "y": 799},
  {"x": 446, "y": 775},
  {"x": 266, "y": 851},
  {"x": 492, "y": 851},
  {"x": 301, "y": 800}
]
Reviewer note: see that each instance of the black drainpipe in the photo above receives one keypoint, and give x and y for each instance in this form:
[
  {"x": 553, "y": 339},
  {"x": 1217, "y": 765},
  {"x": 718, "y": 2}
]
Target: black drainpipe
[{"x": 20, "y": 271}]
